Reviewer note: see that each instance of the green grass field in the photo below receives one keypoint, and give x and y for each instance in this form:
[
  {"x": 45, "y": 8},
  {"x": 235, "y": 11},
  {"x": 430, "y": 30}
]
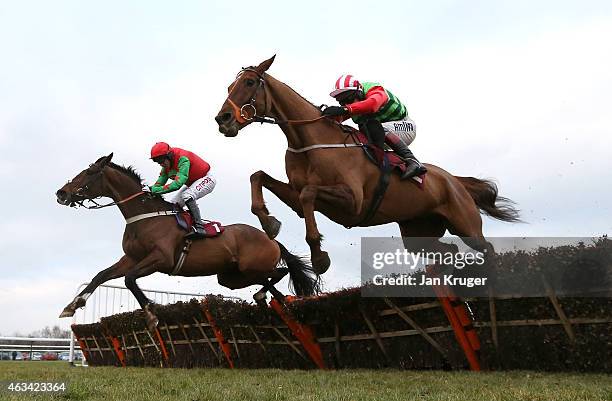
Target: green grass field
[{"x": 134, "y": 384}]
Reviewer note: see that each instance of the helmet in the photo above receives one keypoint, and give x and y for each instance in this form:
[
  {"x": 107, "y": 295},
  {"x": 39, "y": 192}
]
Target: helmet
[
  {"x": 345, "y": 83},
  {"x": 160, "y": 149}
]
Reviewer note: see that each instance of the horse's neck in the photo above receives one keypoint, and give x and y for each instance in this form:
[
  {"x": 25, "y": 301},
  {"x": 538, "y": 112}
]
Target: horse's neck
[
  {"x": 286, "y": 104},
  {"x": 121, "y": 187}
]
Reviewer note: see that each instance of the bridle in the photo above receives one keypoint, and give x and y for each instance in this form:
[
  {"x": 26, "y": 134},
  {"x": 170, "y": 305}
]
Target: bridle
[
  {"x": 93, "y": 177},
  {"x": 240, "y": 112},
  {"x": 242, "y": 116}
]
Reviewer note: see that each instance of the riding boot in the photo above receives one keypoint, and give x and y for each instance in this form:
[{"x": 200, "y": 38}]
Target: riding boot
[
  {"x": 198, "y": 226},
  {"x": 413, "y": 166}
]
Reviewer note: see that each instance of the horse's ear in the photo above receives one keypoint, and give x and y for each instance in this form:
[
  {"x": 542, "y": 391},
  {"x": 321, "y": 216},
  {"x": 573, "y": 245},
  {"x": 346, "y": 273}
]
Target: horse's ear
[
  {"x": 106, "y": 160},
  {"x": 263, "y": 67}
]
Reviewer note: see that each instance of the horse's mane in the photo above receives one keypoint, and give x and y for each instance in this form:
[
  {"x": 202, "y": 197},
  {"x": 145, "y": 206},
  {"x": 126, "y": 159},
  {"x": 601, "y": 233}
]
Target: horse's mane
[
  {"x": 318, "y": 108},
  {"x": 130, "y": 171},
  {"x": 292, "y": 90}
]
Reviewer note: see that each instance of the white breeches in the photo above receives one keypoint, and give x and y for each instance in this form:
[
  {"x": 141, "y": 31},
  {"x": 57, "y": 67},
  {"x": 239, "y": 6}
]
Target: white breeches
[
  {"x": 405, "y": 129},
  {"x": 197, "y": 190}
]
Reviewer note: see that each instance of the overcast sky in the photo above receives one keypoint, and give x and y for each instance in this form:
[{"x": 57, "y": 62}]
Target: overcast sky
[{"x": 518, "y": 91}]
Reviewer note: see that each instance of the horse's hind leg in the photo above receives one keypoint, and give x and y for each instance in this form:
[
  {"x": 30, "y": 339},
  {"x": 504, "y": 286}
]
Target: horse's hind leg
[
  {"x": 260, "y": 296},
  {"x": 424, "y": 233},
  {"x": 117, "y": 270},
  {"x": 283, "y": 191},
  {"x": 465, "y": 222},
  {"x": 237, "y": 279}
]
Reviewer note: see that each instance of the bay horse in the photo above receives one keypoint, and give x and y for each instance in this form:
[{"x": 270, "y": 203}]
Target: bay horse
[
  {"x": 334, "y": 177},
  {"x": 241, "y": 256}
]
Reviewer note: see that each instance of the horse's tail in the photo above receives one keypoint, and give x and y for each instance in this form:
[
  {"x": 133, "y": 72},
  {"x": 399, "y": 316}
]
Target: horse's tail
[
  {"x": 302, "y": 279},
  {"x": 484, "y": 193}
]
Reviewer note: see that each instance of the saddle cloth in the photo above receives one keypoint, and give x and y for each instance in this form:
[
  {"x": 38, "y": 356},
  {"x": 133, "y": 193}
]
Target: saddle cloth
[{"x": 211, "y": 228}]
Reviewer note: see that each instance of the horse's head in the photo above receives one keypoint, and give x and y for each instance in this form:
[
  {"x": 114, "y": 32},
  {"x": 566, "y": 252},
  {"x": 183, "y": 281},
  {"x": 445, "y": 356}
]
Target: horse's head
[
  {"x": 245, "y": 99},
  {"x": 88, "y": 184}
]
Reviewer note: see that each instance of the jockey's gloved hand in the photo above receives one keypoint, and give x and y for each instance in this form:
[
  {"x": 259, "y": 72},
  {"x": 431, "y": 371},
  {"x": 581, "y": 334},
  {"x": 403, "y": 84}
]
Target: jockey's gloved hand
[
  {"x": 333, "y": 111},
  {"x": 149, "y": 190}
]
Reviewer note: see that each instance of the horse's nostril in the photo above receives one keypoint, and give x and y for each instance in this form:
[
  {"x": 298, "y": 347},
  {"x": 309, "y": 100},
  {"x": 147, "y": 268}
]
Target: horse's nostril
[
  {"x": 61, "y": 194},
  {"x": 223, "y": 118}
]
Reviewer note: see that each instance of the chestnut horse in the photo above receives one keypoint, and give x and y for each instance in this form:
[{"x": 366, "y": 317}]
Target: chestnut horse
[
  {"x": 240, "y": 257},
  {"x": 335, "y": 178}
]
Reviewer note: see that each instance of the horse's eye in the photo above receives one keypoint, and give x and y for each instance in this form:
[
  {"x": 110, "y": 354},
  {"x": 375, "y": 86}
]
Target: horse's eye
[{"x": 250, "y": 82}]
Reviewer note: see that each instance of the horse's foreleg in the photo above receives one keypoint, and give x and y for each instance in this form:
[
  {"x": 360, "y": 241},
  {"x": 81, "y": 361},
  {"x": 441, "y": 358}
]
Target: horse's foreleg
[
  {"x": 119, "y": 269},
  {"x": 320, "y": 259},
  {"x": 338, "y": 196},
  {"x": 149, "y": 265},
  {"x": 283, "y": 191}
]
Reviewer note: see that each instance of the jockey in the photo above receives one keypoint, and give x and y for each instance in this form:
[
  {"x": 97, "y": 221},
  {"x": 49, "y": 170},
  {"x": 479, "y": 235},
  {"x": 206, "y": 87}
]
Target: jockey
[
  {"x": 191, "y": 178},
  {"x": 378, "y": 113}
]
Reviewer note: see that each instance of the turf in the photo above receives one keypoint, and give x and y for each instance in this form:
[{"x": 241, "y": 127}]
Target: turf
[{"x": 134, "y": 384}]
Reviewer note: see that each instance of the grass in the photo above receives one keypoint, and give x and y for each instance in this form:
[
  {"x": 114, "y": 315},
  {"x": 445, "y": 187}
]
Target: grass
[{"x": 135, "y": 384}]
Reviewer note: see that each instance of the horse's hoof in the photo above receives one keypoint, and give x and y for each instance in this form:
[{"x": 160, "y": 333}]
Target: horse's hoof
[
  {"x": 260, "y": 299},
  {"x": 272, "y": 227},
  {"x": 152, "y": 320},
  {"x": 152, "y": 323},
  {"x": 69, "y": 310},
  {"x": 67, "y": 313},
  {"x": 321, "y": 263}
]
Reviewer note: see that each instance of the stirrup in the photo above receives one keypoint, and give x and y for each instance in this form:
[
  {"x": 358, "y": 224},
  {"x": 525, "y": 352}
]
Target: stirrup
[
  {"x": 195, "y": 234},
  {"x": 413, "y": 169}
]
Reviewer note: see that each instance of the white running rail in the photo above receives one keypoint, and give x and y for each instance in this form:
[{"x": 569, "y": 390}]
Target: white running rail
[{"x": 108, "y": 300}]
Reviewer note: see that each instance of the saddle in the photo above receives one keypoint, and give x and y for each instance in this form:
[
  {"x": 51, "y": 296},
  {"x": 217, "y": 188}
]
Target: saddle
[
  {"x": 377, "y": 156},
  {"x": 211, "y": 228}
]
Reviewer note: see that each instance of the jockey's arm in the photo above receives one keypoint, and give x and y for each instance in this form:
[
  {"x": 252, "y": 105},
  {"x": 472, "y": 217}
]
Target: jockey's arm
[
  {"x": 161, "y": 181},
  {"x": 181, "y": 178},
  {"x": 374, "y": 100}
]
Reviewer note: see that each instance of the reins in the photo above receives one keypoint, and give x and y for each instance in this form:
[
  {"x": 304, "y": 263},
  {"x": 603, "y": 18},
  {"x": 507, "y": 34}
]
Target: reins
[
  {"x": 248, "y": 112},
  {"x": 98, "y": 206},
  {"x": 132, "y": 219},
  {"x": 270, "y": 120}
]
